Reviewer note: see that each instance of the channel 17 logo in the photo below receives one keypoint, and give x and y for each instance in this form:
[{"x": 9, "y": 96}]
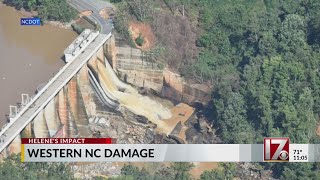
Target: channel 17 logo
[{"x": 276, "y": 149}]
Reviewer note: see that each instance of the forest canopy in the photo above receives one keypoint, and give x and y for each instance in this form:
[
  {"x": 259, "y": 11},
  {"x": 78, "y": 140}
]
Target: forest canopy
[
  {"x": 262, "y": 58},
  {"x": 57, "y": 10}
]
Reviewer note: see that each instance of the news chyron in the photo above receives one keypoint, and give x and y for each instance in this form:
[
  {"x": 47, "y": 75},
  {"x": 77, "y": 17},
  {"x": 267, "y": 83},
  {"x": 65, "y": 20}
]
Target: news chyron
[
  {"x": 276, "y": 149},
  {"x": 30, "y": 22}
]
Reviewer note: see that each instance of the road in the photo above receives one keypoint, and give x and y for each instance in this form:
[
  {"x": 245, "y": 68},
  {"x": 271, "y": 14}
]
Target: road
[{"x": 83, "y": 5}]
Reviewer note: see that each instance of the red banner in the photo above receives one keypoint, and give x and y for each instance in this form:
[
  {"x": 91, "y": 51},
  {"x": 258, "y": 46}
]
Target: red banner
[{"x": 68, "y": 141}]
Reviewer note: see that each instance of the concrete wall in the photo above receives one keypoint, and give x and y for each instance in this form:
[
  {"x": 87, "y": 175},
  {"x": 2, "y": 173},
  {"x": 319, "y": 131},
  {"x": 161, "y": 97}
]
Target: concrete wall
[
  {"x": 51, "y": 116},
  {"x": 175, "y": 87},
  {"x": 40, "y": 126},
  {"x": 134, "y": 67},
  {"x": 84, "y": 92}
]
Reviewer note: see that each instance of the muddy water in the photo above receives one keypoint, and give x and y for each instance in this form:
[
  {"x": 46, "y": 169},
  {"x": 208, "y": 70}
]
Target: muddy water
[{"x": 29, "y": 56}]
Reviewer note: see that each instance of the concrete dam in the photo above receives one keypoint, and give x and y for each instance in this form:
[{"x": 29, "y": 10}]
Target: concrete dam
[{"x": 89, "y": 86}]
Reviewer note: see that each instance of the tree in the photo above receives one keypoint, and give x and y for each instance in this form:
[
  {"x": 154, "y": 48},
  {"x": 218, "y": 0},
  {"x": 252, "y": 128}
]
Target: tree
[
  {"x": 135, "y": 172},
  {"x": 225, "y": 171},
  {"x": 314, "y": 23},
  {"x": 294, "y": 171},
  {"x": 12, "y": 168},
  {"x": 293, "y": 35},
  {"x": 115, "y": 1},
  {"x": 232, "y": 119},
  {"x": 278, "y": 85},
  {"x": 307, "y": 122},
  {"x": 142, "y": 9},
  {"x": 213, "y": 174},
  {"x": 182, "y": 169},
  {"x": 58, "y": 10},
  {"x": 139, "y": 40}
]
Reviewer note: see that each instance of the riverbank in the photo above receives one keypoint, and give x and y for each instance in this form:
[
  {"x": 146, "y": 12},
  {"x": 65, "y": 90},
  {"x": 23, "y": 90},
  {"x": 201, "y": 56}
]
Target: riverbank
[{"x": 28, "y": 14}]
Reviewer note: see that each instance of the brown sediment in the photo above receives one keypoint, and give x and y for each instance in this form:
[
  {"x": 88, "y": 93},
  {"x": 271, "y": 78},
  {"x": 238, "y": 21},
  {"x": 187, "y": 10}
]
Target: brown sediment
[
  {"x": 180, "y": 113},
  {"x": 136, "y": 103},
  {"x": 137, "y": 28},
  {"x": 201, "y": 167},
  {"x": 104, "y": 13},
  {"x": 318, "y": 130},
  {"x": 86, "y": 13}
]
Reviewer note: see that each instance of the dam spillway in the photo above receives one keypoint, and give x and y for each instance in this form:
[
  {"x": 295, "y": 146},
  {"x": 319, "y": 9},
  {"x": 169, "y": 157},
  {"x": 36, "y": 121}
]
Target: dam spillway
[
  {"x": 129, "y": 97},
  {"x": 63, "y": 107}
]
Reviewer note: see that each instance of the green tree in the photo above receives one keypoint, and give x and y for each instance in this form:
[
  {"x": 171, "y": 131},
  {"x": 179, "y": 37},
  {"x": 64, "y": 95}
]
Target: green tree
[
  {"x": 182, "y": 169},
  {"x": 232, "y": 119},
  {"x": 58, "y": 10},
  {"x": 225, "y": 171},
  {"x": 12, "y": 168},
  {"x": 139, "y": 40},
  {"x": 135, "y": 172},
  {"x": 141, "y": 9},
  {"x": 293, "y": 35},
  {"x": 213, "y": 174}
]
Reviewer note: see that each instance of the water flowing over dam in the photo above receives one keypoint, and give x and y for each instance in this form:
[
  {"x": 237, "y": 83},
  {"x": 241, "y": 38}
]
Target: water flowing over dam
[
  {"x": 94, "y": 87},
  {"x": 129, "y": 97}
]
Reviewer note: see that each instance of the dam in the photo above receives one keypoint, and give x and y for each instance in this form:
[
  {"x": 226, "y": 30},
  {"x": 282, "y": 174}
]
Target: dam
[{"x": 64, "y": 106}]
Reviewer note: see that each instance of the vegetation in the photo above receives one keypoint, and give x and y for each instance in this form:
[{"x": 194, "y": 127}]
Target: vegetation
[
  {"x": 77, "y": 28},
  {"x": 227, "y": 171},
  {"x": 173, "y": 32},
  {"x": 262, "y": 57},
  {"x": 263, "y": 60},
  {"x": 57, "y": 10},
  {"x": 115, "y": 1},
  {"x": 177, "y": 171},
  {"x": 139, "y": 40},
  {"x": 12, "y": 168}
]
